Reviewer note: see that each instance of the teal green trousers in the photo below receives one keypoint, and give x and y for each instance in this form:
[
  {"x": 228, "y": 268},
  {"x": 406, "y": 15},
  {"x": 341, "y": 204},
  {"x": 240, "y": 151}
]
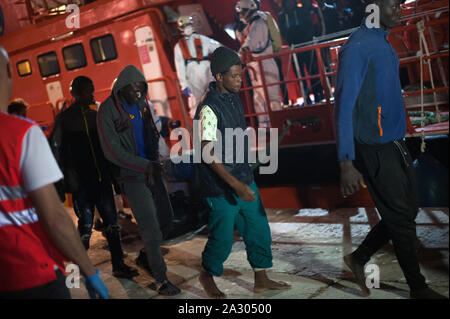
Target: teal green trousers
[{"x": 250, "y": 220}]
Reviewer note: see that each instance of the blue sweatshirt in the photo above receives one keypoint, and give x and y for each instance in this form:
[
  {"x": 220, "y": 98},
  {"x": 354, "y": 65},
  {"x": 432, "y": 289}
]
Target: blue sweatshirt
[
  {"x": 369, "y": 103},
  {"x": 138, "y": 129}
]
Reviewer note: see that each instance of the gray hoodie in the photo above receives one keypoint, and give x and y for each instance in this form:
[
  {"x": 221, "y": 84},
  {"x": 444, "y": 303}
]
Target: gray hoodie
[{"x": 116, "y": 132}]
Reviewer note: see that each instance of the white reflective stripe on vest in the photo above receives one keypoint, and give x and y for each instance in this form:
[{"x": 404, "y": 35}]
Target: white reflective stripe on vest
[
  {"x": 12, "y": 193},
  {"x": 27, "y": 216}
]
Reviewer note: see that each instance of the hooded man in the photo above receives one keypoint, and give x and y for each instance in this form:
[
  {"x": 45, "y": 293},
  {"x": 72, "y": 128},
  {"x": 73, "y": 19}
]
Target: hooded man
[
  {"x": 130, "y": 140},
  {"x": 87, "y": 173},
  {"x": 192, "y": 61}
]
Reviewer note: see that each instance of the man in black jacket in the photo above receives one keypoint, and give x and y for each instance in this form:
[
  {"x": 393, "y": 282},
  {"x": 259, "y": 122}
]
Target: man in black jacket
[{"x": 87, "y": 176}]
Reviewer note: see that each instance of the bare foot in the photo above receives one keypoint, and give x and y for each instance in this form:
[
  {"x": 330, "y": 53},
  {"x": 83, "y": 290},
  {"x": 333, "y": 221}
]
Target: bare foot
[
  {"x": 263, "y": 283},
  {"x": 207, "y": 281}
]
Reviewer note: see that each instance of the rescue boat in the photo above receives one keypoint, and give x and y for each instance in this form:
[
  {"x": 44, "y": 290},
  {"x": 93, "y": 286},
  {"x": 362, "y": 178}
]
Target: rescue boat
[{"x": 50, "y": 42}]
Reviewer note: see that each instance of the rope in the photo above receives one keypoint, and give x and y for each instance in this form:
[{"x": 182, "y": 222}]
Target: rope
[
  {"x": 420, "y": 29},
  {"x": 424, "y": 45}
]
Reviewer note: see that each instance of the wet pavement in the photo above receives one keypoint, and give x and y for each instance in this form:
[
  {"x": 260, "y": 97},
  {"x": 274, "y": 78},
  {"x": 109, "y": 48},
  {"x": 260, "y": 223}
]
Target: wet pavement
[{"x": 307, "y": 246}]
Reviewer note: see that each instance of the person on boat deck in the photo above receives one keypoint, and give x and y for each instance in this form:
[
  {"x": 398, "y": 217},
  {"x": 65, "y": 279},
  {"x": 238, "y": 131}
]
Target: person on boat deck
[
  {"x": 229, "y": 189},
  {"x": 255, "y": 38},
  {"x": 87, "y": 173},
  {"x": 370, "y": 130},
  {"x": 191, "y": 55},
  {"x": 130, "y": 141}
]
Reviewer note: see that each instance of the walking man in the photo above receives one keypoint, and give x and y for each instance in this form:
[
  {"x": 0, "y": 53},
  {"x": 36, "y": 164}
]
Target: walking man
[
  {"x": 229, "y": 189},
  {"x": 87, "y": 173},
  {"x": 130, "y": 140},
  {"x": 371, "y": 127}
]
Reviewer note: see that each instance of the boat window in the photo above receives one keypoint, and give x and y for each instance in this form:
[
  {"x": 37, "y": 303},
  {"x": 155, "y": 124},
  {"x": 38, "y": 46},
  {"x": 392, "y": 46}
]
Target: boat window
[
  {"x": 74, "y": 56},
  {"x": 103, "y": 48},
  {"x": 48, "y": 64},
  {"x": 24, "y": 68}
]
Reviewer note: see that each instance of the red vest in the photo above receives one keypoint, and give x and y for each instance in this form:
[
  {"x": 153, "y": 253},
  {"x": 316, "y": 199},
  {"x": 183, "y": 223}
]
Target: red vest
[{"x": 27, "y": 257}]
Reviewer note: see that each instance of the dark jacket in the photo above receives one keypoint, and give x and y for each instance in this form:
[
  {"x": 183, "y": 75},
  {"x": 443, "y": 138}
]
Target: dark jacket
[
  {"x": 116, "y": 131},
  {"x": 230, "y": 114},
  {"x": 75, "y": 144},
  {"x": 296, "y": 26},
  {"x": 369, "y": 104}
]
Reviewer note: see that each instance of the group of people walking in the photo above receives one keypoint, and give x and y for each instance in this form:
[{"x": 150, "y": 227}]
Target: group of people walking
[{"x": 121, "y": 142}]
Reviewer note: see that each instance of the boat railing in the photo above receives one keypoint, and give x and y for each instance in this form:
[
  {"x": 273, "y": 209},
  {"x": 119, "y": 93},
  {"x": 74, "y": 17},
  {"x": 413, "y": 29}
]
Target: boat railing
[{"x": 326, "y": 55}]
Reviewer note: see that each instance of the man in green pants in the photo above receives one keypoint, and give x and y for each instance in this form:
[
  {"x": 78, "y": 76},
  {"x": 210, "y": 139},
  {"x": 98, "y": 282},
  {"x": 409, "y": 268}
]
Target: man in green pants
[{"x": 229, "y": 188}]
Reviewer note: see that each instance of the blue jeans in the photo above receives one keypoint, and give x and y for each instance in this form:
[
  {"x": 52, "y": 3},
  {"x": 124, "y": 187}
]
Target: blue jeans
[{"x": 101, "y": 196}]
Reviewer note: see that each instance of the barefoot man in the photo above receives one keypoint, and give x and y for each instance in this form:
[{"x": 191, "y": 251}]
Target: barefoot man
[{"x": 229, "y": 188}]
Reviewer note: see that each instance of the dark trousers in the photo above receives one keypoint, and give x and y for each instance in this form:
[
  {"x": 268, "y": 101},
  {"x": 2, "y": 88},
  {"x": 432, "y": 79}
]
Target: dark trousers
[
  {"x": 101, "y": 196},
  {"x": 53, "y": 290},
  {"x": 391, "y": 180},
  {"x": 154, "y": 215}
]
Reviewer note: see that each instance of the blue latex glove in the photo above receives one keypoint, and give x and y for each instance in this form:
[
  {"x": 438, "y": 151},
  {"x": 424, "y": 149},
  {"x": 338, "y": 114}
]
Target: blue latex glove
[
  {"x": 96, "y": 287},
  {"x": 187, "y": 92}
]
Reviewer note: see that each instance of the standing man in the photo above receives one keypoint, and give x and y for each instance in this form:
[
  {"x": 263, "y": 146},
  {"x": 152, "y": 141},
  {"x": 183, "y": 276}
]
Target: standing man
[
  {"x": 371, "y": 126},
  {"x": 130, "y": 140},
  {"x": 35, "y": 229},
  {"x": 255, "y": 39},
  {"x": 87, "y": 173},
  {"x": 192, "y": 62},
  {"x": 229, "y": 189}
]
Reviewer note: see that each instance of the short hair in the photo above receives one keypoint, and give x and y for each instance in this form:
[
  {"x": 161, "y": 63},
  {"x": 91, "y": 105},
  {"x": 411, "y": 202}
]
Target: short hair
[
  {"x": 222, "y": 59},
  {"x": 17, "y": 106},
  {"x": 80, "y": 83}
]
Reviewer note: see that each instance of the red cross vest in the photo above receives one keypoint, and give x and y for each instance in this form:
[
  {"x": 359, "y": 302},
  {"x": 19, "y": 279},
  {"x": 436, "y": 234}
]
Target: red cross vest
[{"x": 27, "y": 256}]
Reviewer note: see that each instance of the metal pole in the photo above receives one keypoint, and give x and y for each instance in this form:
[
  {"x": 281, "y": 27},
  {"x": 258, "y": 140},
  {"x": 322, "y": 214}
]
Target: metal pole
[{"x": 299, "y": 74}]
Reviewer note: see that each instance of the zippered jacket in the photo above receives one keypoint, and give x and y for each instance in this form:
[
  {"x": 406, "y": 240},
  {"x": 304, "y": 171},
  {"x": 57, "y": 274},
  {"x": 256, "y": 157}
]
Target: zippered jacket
[
  {"x": 369, "y": 104},
  {"x": 76, "y": 146},
  {"x": 116, "y": 131}
]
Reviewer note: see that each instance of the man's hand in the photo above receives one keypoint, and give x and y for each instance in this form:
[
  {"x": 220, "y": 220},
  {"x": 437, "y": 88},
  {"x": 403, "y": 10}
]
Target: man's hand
[
  {"x": 96, "y": 287},
  {"x": 245, "y": 192},
  {"x": 351, "y": 179}
]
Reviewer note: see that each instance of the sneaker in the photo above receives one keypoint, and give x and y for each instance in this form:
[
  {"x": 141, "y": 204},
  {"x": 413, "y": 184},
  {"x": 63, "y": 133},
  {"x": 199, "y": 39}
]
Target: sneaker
[
  {"x": 165, "y": 289},
  {"x": 426, "y": 293},
  {"x": 122, "y": 270}
]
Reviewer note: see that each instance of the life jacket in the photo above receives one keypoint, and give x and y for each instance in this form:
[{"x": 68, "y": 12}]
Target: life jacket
[
  {"x": 198, "y": 51},
  {"x": 27, "y": 256}
]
